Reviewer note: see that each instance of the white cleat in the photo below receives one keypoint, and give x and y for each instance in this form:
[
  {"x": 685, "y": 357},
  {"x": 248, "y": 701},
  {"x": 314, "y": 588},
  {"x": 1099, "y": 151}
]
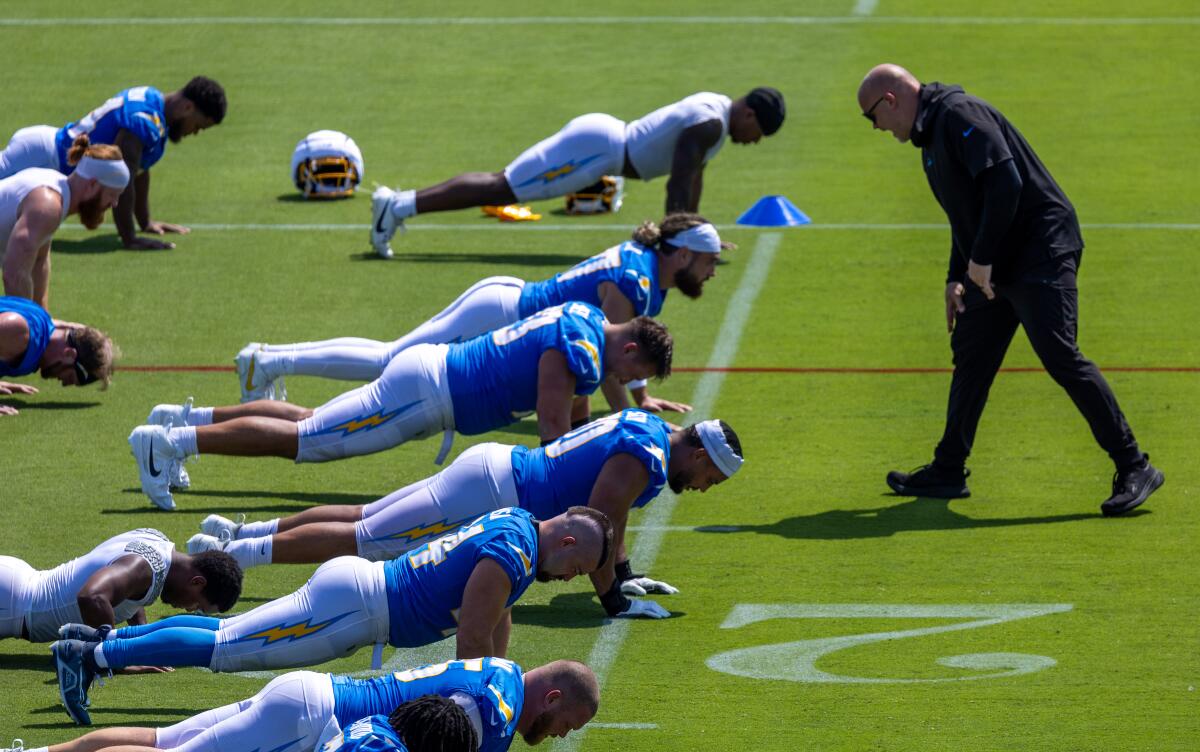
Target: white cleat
[
  {"x": 217, "y": 526},
  {"x": 170, "y": 416},
  {"x": 178, "y": 476},
  {"x": 383, "y": 222},
  {"x": 154, "y": 454},
  {"x": 199, "y": 543},
  {"x": 255, "y": 384}
]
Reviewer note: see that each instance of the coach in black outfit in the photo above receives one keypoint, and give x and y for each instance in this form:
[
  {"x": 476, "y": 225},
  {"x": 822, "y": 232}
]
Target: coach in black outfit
[{"x": 1014, "y": 253}]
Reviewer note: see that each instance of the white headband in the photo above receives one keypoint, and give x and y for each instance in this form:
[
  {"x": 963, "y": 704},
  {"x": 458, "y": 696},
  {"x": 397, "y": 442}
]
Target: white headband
[
  {"x": 702, "y": 238},
  {"x": 722, "y": 455},
  {"x": 112, "y": 173}
]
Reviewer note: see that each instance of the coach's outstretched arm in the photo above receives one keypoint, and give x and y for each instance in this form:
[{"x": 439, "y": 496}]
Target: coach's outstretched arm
[{"x": 483, "y": 616}]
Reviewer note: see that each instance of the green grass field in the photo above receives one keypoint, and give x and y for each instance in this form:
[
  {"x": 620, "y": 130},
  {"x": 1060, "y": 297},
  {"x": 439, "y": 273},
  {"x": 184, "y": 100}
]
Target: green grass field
[{"x": 787, "y": 570}]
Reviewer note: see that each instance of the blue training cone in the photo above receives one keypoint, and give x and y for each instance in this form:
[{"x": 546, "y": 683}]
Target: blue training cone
[{"x": 773, "y": 211}]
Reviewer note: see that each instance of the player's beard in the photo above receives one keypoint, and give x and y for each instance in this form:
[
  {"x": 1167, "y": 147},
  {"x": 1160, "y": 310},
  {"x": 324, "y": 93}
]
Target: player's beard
[
  {"x": 539, "y": 729},
  {"x": 91, "y": 212},
  {"x": 687, "y": 283},
  {"x": 678, "y": 482},
  {"x": 174, "y": 131},
  {"x": 544, "y": 576}
]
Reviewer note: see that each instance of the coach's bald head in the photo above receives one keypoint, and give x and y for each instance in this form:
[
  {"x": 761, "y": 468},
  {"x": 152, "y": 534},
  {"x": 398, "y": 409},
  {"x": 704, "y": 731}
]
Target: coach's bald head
[{"x": 888, "y": 96}]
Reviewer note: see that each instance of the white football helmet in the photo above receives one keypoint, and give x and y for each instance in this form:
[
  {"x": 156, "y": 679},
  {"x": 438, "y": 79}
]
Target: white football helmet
[{"x": 327, "y": 164}]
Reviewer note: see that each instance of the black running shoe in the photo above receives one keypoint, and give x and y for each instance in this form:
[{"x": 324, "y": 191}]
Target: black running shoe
[
  {"x": 1131, "y": 488},
  {"x": 930, "y": 480}
]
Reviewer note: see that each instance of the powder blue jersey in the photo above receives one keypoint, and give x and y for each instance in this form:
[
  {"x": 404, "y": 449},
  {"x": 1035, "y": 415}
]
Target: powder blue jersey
[
  {"x": 551, "y": 478},
  {"x": 41, "y": 326},
  {"x": 139, "y": 110},
  {"x": 373, "y": 734},
  {"x": 497, "y": 686},
  {"x": 493, "y": 378},
  {"x": 631, "y": 266},
  {"x": 425, "y": 586}
]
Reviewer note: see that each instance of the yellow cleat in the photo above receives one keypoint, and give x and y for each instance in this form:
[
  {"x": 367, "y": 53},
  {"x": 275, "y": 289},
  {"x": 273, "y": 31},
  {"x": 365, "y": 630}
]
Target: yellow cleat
[{"x": 512, "y": 213}]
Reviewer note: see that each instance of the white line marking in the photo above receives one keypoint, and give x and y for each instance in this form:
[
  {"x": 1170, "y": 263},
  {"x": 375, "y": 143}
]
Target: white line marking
[
  {"x": 737, "y": 312},
  {"x": 595, "y": 724},
  {"x": 613, "y": 227},
  {"x": 611, "y": 21},
  {"x": 685, "y": 528},
  {"x": 865, "y": 7}
]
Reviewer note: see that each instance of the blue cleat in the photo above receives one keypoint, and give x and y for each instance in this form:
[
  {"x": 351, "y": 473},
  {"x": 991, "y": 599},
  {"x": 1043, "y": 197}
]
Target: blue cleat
[{"x": 74, "y": 678}]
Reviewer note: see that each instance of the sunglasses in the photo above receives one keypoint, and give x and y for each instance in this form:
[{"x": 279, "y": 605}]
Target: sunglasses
[
  {"x": 870, "y": 113},
  {"x": 82, "y": 377}
]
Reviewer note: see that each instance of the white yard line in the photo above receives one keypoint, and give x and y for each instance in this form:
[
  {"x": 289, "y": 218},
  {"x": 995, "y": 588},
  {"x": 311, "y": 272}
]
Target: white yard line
[
  {"x": 611, "y": 21},
  {"x": 655, "y": 522},
  {"x": 611, "y": 227}
]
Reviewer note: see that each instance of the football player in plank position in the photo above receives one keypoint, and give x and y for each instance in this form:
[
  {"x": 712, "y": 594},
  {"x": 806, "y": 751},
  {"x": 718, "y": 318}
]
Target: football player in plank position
[
  {"x": 616, "y": 463},
  {"x": 30, "y": 340},
  {"x": 676, "y": 140},
  {"x": 537, "y": 364},
  {"x": 627, "y": 280},
  {"x": 113, "y": 584},
  {"x": 35, "y": 202},
  {"x": 297, "y": 703},
  {"x": 462, "y": 584},
  {"x": 139, "y": 121}
]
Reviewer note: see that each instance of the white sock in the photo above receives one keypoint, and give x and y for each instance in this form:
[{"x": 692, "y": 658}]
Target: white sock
[
  {"x": 251, "y": 552},
  {"x": 38, "y": 749},
  {"x": 258, "y": 529},
  {"x": 404, "y": 205},
  {"x": 184, "y": 441},
  {"x": 98, "y": 654},
  {"x": 200, "y": 416}
]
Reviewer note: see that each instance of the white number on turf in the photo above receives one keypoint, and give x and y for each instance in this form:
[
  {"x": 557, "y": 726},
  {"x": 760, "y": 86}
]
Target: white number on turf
[{"x": 796, "y": 661}]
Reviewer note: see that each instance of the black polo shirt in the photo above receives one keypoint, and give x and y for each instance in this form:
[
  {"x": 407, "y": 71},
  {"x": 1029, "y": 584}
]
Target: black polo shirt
[{"x": 961, "y": 136}]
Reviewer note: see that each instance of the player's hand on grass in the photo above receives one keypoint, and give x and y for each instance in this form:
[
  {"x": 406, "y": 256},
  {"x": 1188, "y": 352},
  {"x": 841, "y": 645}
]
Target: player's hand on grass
[
  {"x": 144, "y": 670},
  {"x": 647, "y": 609},
  {"x": 654, "y": 405},
  {"x": 640, "y": 585},
  {"x": 160, "y": 228},
  {"x": 981, "y": 275},
  {"x": 954, "y": 303},
  {"x": 6, "y": 410},
  {"x": 8, "y": 387},
  {"x": 138, "y": 243}
]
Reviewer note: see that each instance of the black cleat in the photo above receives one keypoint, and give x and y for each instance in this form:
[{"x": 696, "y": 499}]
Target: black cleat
[
  {"x": 1131, "y": 488},
  {"x": 932, "y": 481}
]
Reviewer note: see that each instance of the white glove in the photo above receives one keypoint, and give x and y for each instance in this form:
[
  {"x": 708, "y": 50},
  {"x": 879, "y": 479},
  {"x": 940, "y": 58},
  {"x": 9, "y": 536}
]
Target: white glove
[
  {"x": 649, "y": 609},
  {"x": 642, "y": 585}
]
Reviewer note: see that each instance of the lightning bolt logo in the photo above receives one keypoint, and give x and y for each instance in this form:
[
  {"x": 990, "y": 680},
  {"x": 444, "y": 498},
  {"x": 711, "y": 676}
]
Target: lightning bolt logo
[
  {"x": 424, "y": 531},
  {"x": 368, "y": 422},
  {"x": 292, "y": 632},
  {"x": 591, "y": 351},
  {"x": 524, "y": 559},
  {"x": 504, "y": 708},
  {"x": 549, "y": 176}
]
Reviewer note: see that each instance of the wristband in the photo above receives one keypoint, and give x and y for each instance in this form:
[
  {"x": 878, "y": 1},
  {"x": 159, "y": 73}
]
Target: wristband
[
  {"x": 614, "y": 601},
  {"x": 636, "y": 384},
  {"x": 624, "y": 571}
]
